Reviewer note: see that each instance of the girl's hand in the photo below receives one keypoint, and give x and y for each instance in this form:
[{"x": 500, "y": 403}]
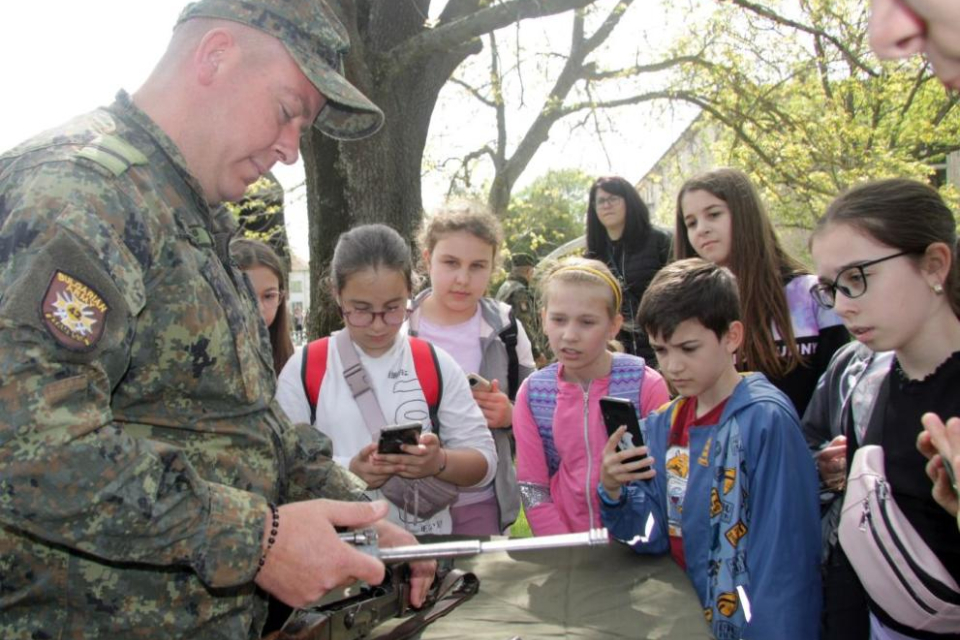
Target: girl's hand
[
  {"x": 941, "y": 444},
  {"x": 418, "y": 460},
  {"x": 621, "y": 467},
  {"x": 832, "y": 463},
  {"x": 495, "y": 405},
  {"x": 365, "y": 466},
  {"x": 943, "y": 491}
]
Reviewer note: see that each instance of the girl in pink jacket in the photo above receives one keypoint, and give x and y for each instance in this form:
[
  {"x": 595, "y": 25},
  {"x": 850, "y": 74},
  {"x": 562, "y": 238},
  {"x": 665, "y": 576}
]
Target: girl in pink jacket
[{"x": 556, "y": 421}]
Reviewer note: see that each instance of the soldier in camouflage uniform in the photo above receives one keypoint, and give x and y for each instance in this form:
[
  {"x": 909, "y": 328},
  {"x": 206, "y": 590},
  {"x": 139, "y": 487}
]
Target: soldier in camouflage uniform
[
  {"x": 141, "y": 452},
  {"x": 516, "y": 292}
]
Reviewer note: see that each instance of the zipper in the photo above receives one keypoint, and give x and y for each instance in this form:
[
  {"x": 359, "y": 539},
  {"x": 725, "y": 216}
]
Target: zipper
[
  {"x": 586, "y": 440},
  {"x": 934, "y": 586},
  {"x": 867, "y": 517}
]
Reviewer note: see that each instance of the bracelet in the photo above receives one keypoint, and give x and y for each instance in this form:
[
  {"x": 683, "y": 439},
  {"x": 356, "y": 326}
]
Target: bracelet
[
  {"x": 274, "y": 527},
  {"x": 443, "y": 465}
]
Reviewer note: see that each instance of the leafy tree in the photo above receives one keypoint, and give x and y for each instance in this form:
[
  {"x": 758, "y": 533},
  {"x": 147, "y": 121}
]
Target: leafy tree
[
  {"x": 260, "y": 214},
  {"x": 806, "y": 109},
  {"x": 547, "y": 213},
  {"x": 400, "y": 59}
]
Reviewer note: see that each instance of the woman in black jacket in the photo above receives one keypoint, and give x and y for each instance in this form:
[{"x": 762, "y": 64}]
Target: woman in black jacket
[{"x": 619, "y": 233}]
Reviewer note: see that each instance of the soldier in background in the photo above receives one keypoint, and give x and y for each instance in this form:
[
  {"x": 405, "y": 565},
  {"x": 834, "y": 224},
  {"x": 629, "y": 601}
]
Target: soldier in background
[
  {"x": 516, "y": 292},
  {"x": 142, "y": 456}
]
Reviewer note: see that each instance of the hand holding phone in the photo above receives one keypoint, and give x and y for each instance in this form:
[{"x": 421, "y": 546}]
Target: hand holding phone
[
  {"x": 478, "y": 382},
  {"x": 616, "y": 413},
  {"x": 392, "y": 437}
]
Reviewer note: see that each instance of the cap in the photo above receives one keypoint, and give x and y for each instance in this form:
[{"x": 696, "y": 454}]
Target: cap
[
  {"x": 317, "y": 41},
  {"x": 522, "y": 260}
]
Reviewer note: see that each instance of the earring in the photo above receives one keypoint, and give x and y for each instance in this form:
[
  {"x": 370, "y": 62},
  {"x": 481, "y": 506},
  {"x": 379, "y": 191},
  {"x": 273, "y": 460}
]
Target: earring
[{"x": 937, "y": 288}]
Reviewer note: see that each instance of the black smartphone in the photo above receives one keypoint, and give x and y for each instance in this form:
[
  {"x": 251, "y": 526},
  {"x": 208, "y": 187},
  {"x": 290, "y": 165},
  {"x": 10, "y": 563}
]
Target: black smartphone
[
  {"x": 618, "y": 412},
  {"x": 395, "y": 435}
]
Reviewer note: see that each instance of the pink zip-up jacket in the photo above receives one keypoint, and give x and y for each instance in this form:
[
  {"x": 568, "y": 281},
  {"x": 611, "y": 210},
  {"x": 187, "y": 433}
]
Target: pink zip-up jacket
[{"x": 568, "y": 501}]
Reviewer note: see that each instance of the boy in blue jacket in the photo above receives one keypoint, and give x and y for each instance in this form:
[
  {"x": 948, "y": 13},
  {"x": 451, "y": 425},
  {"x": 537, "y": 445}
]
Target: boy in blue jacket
[{"x": 728, "y": 487}]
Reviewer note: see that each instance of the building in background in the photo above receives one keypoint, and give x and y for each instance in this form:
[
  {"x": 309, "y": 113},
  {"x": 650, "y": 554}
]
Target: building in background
[{"x": 299, "y": 295}]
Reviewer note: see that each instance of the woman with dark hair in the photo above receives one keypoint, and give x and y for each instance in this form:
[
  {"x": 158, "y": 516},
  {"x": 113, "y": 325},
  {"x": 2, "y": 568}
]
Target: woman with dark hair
[
  {"x": 619, "y": 234},
  {"x": 788, "y": 338},
  {"x": 269, "y": 279}
]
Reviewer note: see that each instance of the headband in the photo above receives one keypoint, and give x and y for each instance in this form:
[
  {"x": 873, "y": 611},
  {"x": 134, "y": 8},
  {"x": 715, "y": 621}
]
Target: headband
[{"x": 617, "y": 296}]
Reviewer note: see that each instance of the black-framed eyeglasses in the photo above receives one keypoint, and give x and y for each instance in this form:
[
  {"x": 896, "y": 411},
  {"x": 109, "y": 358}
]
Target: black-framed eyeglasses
[
  {"x": 607, "y": 200},
  {"x": 363, "y": 318},
  {"x": 851, "y": 282}
]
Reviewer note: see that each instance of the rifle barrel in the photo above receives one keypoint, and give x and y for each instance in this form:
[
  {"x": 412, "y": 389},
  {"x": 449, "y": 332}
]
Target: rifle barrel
[{"x": 460, "y": 548}]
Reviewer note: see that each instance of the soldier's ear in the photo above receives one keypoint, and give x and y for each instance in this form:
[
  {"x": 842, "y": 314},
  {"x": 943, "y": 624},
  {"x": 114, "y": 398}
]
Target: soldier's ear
[{"x": 211, "y": 53}]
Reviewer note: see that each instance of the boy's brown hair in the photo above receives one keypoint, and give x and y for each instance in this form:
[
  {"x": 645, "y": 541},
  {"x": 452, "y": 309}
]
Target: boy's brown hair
[{"x": 691, "y": 289}]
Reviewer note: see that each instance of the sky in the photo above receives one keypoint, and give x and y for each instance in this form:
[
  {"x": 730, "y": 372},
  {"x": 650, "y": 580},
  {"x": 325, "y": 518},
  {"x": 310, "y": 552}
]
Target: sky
[{"x": 62, "y": 58}]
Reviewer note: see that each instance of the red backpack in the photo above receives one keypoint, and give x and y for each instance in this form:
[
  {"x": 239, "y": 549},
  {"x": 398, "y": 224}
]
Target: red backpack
[{"x": 425, "y": 362}]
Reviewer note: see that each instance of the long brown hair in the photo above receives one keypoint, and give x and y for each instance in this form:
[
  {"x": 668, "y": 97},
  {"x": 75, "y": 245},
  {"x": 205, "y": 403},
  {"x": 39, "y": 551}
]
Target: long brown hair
[
  {"x": 249, "y": 253},
  {"x": 760, "y": 264}
]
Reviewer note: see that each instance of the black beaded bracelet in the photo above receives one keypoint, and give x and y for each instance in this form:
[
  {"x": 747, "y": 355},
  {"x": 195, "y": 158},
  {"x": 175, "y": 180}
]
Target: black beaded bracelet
[{"x": 274, "y": 527}]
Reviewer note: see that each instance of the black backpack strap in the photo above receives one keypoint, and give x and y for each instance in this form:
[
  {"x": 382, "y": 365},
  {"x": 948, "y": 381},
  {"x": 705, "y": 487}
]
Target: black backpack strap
[{"x": 509, "y": 338}]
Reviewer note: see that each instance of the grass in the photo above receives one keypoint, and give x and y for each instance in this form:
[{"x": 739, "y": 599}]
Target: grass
[{"x": 521, "y": 528}]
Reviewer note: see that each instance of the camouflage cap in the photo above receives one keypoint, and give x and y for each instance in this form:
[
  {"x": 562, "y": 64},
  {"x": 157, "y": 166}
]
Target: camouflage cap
[
  {"x": 522, "y": 260},
  {"x": 317, "y": 41}
]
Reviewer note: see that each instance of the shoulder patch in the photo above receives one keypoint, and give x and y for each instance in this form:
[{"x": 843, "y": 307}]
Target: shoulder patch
[
  {"x": 73, "y": 312},
  {"x": 113, "y": 153}
]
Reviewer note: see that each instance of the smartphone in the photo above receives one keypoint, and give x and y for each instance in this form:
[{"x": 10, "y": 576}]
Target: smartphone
[
  {"x": 953, "y": 478},
  {"x": 395, "y": 435},
  {"x": 477, "y": 382},
  {"x": 618, "y": 412}
]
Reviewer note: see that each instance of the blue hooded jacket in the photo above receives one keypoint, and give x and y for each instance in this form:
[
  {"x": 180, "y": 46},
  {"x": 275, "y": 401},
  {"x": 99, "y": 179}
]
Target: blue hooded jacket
[{"x": 766, "y": 582}]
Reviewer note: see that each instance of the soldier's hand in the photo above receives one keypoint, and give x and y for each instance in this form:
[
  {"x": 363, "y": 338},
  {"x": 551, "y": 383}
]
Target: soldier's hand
[
  {"x": 308, "y": 559},
  {"x": 422, "y": 572},
  {"x": 495, "y": 405}
]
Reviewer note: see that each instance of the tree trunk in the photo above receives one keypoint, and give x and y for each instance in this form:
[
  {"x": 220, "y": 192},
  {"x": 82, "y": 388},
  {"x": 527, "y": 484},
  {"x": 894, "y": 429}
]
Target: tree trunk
[{"x": 401, "y": 64}]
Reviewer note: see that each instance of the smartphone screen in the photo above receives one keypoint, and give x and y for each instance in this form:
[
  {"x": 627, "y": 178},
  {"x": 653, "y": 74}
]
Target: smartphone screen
[
  {"x": 395, "y": 435},
  {"x": 617, "y": 412}
]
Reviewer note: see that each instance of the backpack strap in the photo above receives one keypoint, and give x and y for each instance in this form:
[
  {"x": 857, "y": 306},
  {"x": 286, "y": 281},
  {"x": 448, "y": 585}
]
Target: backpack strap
[
  {"x": 542, "y": 400},
  {"x": 314, "y": 366},
  {"x": 427, "y": 366},
  {"x": 508, "y": 335},
  {"x": 312, "y": 369}
]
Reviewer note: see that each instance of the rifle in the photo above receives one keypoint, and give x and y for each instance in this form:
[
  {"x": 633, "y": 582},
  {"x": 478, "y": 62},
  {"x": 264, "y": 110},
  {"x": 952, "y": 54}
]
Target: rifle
[{"x": 355, "y": 617}]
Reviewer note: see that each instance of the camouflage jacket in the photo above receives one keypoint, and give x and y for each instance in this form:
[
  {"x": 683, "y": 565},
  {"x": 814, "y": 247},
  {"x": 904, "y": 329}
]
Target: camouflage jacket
[
  {"x": 516, "y": 292},
  {"x": 139, "y": 442}
]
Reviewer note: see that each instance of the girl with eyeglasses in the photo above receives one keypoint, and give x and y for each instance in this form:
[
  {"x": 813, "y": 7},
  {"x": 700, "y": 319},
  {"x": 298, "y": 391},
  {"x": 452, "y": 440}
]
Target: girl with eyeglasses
[
  {"x": 372, "y": 280},
  {"x": 788, "y": 337},
  {"x": 460, "y": 244},
  {"x": 886, "y": 262},
  {"x": 621, "y": 235},
  {"x": 268, "y": 275}
]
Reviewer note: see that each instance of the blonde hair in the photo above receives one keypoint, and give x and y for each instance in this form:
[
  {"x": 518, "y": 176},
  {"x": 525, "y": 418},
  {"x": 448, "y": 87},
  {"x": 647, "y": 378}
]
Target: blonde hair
[
  {"x": 465, "y": 215},
  {"x": 576, "y": 270}
]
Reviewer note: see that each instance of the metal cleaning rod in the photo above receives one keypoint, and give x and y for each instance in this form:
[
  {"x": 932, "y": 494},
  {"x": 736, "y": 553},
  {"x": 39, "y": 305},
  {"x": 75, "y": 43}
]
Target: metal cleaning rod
[{"x": 459, "y": 548}]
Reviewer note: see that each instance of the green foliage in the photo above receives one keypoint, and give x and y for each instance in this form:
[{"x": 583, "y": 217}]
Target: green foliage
[
  {"x": 547, "y": 213},
  {"x": 801, "y": 104}
]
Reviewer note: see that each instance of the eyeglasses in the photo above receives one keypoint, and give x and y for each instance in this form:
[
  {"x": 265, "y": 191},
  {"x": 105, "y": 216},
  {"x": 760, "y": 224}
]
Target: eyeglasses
[
  {"x": 607, "y": 201},
  {"x": 362, "y": 318},
  {"x": 851, "y": 282}
]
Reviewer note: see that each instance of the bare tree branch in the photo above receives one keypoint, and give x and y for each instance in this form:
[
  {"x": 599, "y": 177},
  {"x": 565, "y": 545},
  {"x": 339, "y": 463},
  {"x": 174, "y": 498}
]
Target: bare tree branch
[
  {"x": 473, "y": 25},
  {"x": 765, "y": 12}
]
